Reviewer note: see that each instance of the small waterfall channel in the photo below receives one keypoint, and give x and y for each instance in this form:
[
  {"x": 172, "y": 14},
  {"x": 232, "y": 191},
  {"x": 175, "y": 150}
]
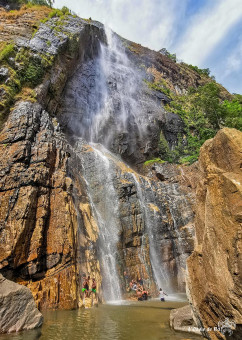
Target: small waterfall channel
[
  {"x": 100, "y": 173},
  {"x": 150, "y": 210}
]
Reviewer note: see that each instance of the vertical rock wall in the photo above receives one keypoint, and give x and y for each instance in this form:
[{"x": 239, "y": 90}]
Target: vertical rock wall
[{"x": 214, "y": 268}]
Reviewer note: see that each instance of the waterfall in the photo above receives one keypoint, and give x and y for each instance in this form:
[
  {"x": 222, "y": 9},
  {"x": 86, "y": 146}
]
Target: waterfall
[
  {"x": 110, "y": 105},
  {"x": 121, "y": 85},
  {"x": 149, "y": 214},
  {"x": 99, "y": 177},
  {"x": 185, "y": 209}
]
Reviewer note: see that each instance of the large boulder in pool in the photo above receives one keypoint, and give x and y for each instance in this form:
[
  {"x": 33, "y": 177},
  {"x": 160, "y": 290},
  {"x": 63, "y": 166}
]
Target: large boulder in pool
[
  {"x": 181, "y": 319},
  {"x": 17, "y": 308}
]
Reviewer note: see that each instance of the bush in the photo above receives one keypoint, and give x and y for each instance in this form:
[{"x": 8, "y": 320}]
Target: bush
[
  {"x": 6, "y": 51},
  {"x": 171, "y": 56},
  {"x": 32, "y": 2},
  {"x": 203, "y": 112},
  {"x": 151, "y": 161},
  {"x": 159, "y": 86},
  {"x": 201, "y": 71},
  {"x": 33, "y": 74}
]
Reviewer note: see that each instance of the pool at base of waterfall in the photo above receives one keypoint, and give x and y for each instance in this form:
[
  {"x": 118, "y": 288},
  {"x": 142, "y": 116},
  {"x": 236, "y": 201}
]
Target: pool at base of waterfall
[{"x": 146, "y": 320}]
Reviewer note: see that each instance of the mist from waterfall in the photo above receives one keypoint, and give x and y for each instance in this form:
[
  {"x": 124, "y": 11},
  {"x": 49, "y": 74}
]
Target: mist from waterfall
[
  {"x": 107, "y": 104},
  {"x": 121, "y": 105}
]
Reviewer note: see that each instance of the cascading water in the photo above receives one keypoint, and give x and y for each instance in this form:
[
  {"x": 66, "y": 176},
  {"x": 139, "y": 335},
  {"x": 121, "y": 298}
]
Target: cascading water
[
  {"x": 110, "y": 106},
  {"x": 105, "y": 207},
  {"x": 186, "y": 211},
  {"x": 149, "y": 211},
  {"x": 120, "y": 83}
]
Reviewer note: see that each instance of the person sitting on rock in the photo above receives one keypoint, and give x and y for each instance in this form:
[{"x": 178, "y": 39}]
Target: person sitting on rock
[
  {"x": 131, "y": 284},
  {"x": 162, "y": 295},
  {"x": 134, "y": 286}
]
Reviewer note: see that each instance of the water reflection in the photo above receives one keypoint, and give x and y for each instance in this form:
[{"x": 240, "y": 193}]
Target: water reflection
[{"x": 144, "y": 320}]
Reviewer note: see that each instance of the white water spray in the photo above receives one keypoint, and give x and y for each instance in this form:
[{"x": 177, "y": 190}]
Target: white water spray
[{"x": 105, "y": 207}]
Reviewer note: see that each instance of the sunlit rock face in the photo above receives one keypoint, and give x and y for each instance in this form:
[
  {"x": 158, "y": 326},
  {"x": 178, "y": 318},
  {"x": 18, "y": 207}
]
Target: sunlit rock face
[
  {"x": 70, "y": 204},
  {"x": 214, "y": 268}
]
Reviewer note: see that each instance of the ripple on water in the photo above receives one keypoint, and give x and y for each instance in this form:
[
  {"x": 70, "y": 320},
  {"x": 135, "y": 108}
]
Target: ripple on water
[{"x": 147, "y": 320}]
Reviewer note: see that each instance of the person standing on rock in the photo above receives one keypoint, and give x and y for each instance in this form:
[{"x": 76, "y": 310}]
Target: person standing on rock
[
  {"x": 162, "y": 295},
  {"x": 94, "y": 287},
  {"x": 85, "y": 288}
]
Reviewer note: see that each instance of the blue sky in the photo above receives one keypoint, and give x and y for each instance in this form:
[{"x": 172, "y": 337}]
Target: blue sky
[{"x": 206, "y": 33}]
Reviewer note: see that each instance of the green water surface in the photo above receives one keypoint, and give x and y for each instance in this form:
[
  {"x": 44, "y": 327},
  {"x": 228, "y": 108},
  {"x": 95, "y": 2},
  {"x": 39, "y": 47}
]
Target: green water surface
[{"x": 146, "y": 320}]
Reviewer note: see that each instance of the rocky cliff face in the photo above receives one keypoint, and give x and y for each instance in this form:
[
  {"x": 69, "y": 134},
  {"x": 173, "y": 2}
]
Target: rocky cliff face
[
  {"x": 38, "y": 220},
  {"x": 49, "y": 231},
  {"x": 70, "y": 204},
  {"x": 214, "y": 268}
]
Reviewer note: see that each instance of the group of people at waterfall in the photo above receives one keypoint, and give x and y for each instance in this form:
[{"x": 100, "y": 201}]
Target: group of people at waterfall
[
  {"x": 86, "y": 285},
  {"x": 138, "y": 287}
]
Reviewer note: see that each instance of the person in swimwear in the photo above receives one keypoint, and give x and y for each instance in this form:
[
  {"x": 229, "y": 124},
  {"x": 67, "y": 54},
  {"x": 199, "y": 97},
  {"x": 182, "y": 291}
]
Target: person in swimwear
[
  {"x": 94, "y": 287},
  {"x": 85, "y": 287}
]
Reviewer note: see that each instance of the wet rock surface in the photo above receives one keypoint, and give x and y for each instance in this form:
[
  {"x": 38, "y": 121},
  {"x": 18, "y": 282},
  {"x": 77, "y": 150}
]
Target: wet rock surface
[
  {"x": 214, "y": 270},
  {"x": 17, "y": 308},
  {"x": 153, "y": 219}
]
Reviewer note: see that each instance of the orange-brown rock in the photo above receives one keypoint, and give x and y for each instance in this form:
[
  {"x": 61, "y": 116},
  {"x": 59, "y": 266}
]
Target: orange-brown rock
[
  {"x": 214, "y": 268},
  {"x": 38, "y": 231}
]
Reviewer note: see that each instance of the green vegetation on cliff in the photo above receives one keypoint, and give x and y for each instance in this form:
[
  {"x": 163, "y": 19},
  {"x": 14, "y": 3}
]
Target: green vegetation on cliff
[
  {"x": 151, "y": 161},
  {"x": 204, "y": 110},
  {"x": 22, "y": 68}
]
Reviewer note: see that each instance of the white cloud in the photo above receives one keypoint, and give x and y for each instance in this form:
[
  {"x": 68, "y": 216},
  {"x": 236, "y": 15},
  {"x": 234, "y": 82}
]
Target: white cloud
[
  {"x": 149, "y": 22},
  {"x": 164, "y": 23},
  {"x": 234, "y": 60},
  {"x": 207, "y": 29}
]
